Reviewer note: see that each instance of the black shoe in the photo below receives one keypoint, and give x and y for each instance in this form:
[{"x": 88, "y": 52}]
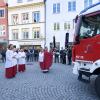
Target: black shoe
[
  {"x": 79, "y": 78},
  {"x": 83, "y": 80}
]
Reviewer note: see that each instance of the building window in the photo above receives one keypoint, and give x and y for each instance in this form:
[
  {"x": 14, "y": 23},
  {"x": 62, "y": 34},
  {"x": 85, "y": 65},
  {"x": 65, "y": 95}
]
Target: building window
[
  {"x": 36, "y": 16},
  {"x": 87, "y": 3},
  {"x": 56, "y": 8},
  {"x": 57, "y": 45},
  {"x": 25, "y": 33},
  {"x": 19, "y": 1},
  {"x": 15, "y": 19},
  {"x": 2, "y": 30},
  {"x": 56, "y": 26},
  {"x": 29, "y": 0},
  {"x": 15, "y": 34},
  {"x": 2, "y": 13},
  {"x": 72, "y": 6},
  {"x": 67, "y": 25},
  {"x": 25, "y": 18},
  {"x": 36, "y": 32}
]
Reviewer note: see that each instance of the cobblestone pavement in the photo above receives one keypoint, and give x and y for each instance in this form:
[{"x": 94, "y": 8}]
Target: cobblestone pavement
[{"x": 58, "y": 84}]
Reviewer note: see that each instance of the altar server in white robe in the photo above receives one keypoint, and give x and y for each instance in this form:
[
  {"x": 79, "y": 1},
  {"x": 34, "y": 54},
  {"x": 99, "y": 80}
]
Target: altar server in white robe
[
  {"x": 15, "y": 58},
  {"x": 41, "y": 58},
  {"x": 9, "y": 71},
  {"x": 21, "y": 60}
]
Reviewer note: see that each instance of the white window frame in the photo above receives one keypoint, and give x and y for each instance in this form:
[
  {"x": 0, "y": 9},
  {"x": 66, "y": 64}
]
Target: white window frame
[
  {"x": 56, "y": 26},
  {"x": 25, "y": 20},
  {"x": 67, "y": 25},
  {"x": 29, "y": 0},
  {"x": 72, "y": 3},
  {"x": 4, "y": 13},
  {"x": 87, "y": 3},
  {"x": 56, "y": 11},
  {"x": 36, "y": 16},
  {"x": 19, "y": 1},
  {"x": 16, "y": 34},
  {"x": 14, "y": 21},
  {"x": 24, "y": 31},
  {"x": 34, "y": 32}
]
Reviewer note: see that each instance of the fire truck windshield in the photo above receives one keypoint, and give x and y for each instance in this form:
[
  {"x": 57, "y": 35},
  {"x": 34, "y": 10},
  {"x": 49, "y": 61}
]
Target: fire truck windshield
[{"x": 90, "y": 26}]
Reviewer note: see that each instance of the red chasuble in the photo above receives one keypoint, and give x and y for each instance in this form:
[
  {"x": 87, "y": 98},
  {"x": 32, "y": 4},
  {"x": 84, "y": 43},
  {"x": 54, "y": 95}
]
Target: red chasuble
[{"x": 47, "y": 61}]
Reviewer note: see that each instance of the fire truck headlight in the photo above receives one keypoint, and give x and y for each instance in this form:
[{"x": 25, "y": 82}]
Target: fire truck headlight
[{"x": 96, "y": 64}]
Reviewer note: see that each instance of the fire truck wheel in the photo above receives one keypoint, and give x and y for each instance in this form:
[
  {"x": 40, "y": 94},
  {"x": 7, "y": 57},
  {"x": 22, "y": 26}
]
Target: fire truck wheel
[{"x": 97, "y": 85}]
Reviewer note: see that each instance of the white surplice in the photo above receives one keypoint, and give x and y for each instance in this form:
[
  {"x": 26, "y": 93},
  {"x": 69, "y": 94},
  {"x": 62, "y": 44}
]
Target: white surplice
[
  {"x": 21, "y": 58},
  {"x": 41, "y": 56},
  {"x": 15, "y": 57},
  {"x": 9, "y": 59}
]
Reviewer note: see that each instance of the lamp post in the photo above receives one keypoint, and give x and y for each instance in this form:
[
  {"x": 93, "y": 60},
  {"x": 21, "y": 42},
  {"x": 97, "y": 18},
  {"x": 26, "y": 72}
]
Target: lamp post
[
  {"x": 7, "y": 34},
  {"x": 66, "y": 40},
  {"x": 54, "y": 42}
]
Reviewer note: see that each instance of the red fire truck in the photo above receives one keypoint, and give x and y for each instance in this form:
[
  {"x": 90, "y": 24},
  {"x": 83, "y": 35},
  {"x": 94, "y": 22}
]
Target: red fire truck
[{"x": 86, "y": 48}]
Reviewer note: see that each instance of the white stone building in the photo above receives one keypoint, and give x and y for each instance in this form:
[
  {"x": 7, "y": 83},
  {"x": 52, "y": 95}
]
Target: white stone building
[
  {"x": 59, "y": 19},
  {"x": 26, "y": 23}
]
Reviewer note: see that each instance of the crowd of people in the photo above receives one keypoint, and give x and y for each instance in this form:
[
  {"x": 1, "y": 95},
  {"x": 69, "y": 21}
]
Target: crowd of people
[
  {"x": 15, "y": 59},
  {"x": 63, "y": 56},
  {"x": 31, "y": 54}
]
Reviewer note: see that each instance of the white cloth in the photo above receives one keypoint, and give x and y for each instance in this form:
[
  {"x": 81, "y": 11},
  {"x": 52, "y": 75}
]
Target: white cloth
[
  {"x": 15, "y": 57},
  {"x": 9, "y": 59},
  {"x": 21, "y": 58},
  {"x": 75, "y": 68},
  {"x": 41, "y": 56}
]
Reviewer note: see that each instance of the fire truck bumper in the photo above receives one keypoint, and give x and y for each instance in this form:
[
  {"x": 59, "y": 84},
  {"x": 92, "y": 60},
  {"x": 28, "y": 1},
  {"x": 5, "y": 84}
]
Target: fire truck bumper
[{"x": 83, "y": 66}]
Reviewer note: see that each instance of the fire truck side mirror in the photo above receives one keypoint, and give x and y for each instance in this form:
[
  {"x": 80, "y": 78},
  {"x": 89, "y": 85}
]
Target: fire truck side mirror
[{"x": 76, "y": 19}]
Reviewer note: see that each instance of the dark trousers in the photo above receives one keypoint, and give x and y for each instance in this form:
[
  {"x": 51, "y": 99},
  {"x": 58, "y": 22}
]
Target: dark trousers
[
  {"x": 3, "y": 58},
  {"x": 27, "y": 58},
  {"x": 56, "y": 59},
  {"x": 31, "y": 57},
  {"x": 64, "y": 60},
  {"x": 61, "y": 59},
  {"x": 69, "y": 60},
  {"x": 35, "y": 57}
]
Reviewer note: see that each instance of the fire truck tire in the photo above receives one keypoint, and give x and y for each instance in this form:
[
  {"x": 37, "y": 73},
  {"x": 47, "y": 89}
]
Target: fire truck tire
[{"x": 97, "y": 85}]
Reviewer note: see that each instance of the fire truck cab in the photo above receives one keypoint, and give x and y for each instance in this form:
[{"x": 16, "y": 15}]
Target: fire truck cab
[{"x": 86, "y": 48}]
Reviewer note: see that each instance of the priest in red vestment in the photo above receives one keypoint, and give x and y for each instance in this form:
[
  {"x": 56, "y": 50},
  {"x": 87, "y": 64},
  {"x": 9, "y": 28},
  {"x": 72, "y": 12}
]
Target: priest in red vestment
[{"x": 45, "y": 59}]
